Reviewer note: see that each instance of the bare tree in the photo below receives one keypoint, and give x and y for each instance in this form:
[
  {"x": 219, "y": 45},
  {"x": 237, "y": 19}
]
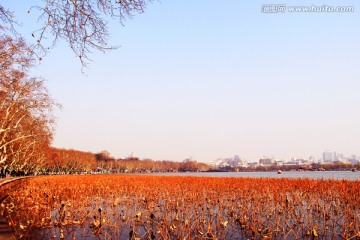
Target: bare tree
[
  {"x": 26, "y": 120},
  {"x": 82, "y": 23}
]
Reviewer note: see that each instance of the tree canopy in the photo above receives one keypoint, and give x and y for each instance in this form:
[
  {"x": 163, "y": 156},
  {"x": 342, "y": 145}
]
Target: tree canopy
[{"x": 26, "y": 119}]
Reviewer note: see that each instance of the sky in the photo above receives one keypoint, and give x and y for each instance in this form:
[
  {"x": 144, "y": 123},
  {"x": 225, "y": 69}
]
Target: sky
[{"x": 209, "y": 79}]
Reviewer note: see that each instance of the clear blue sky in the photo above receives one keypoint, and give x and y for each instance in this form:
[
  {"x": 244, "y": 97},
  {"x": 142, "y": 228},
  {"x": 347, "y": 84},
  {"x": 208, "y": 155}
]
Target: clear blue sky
[{"x": 213, "y": 79}]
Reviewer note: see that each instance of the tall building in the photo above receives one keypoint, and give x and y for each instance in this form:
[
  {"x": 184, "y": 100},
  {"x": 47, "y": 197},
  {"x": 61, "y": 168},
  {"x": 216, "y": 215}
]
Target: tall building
[{"x": 329, "y": 156}]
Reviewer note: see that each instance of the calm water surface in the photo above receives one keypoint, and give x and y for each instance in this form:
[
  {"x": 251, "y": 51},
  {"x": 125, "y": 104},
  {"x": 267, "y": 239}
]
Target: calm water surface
[{"x": 349, "y": 175}]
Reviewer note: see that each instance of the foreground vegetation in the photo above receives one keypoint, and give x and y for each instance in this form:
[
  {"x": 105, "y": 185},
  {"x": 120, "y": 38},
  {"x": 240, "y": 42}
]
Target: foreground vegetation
[{"x": 149, "y": 207}]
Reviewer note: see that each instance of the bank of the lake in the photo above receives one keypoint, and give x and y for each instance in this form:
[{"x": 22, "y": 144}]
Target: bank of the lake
[{"x": 340, "y": 175}]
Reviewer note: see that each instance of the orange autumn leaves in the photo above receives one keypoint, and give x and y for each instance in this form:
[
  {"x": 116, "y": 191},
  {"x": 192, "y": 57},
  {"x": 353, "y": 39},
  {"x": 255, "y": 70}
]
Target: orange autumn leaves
[
  {"x": 26, "y": 110},
  {"x": 152, "y": 207}
]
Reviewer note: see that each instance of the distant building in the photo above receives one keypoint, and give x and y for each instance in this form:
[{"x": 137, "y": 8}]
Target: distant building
[
  {"x": 311, "y": 159},
  {"x": 354, "y": 161},
  {"x": 329, "y": 156},
  {"x": 301, "y": 161},
  {"x": 236, "y": 161},
  {"x": 267, "y": 161},
  {"x": 291, "y": 163},
  {"x": 253, "y": 164},
  {"x": 279, "y": 163}
]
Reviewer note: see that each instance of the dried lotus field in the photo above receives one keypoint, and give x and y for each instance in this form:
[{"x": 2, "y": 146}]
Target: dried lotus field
[{"x": 153, "y": 207}]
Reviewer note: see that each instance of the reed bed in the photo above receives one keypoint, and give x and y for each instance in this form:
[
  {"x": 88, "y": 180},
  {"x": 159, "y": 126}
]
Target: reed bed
[{"x": 154, "y": 207}]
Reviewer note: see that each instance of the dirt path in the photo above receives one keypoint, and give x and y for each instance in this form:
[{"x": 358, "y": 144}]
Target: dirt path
[{"x": 5, "y": 180}]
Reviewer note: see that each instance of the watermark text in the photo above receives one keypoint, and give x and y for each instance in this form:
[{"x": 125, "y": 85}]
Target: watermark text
[{"x": 283, "y": 8}]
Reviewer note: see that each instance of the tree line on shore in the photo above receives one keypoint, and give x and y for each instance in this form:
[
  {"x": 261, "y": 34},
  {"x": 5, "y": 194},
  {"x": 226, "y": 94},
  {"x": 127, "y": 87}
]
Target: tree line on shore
[{"x": 69, "y": 161}]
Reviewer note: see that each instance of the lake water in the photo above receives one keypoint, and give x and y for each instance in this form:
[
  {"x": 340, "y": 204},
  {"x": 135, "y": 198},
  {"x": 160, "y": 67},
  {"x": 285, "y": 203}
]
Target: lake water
[{"x": 339, "y": 175}]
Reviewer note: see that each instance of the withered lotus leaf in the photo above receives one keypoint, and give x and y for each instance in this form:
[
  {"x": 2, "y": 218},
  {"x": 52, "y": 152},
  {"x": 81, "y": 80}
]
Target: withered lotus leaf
[{"x": 154, "y": 207}]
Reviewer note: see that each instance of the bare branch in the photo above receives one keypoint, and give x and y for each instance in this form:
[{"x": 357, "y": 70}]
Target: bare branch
[
  {"x": 82, "y": 24},
  {"x": 7, "y": 17}
]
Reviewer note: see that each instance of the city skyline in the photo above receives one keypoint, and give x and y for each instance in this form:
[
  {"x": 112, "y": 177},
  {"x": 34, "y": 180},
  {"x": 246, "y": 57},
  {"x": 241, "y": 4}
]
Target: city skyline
[
  {"x": 208, "y": 79},
  {"x": 324, "y": 156}
]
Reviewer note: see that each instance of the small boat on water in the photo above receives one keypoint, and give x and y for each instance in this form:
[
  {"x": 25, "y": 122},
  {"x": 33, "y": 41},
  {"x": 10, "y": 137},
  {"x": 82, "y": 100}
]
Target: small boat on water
[
  {"x": 354, "y": 170},
  {"x": 279, "y": 172}
]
